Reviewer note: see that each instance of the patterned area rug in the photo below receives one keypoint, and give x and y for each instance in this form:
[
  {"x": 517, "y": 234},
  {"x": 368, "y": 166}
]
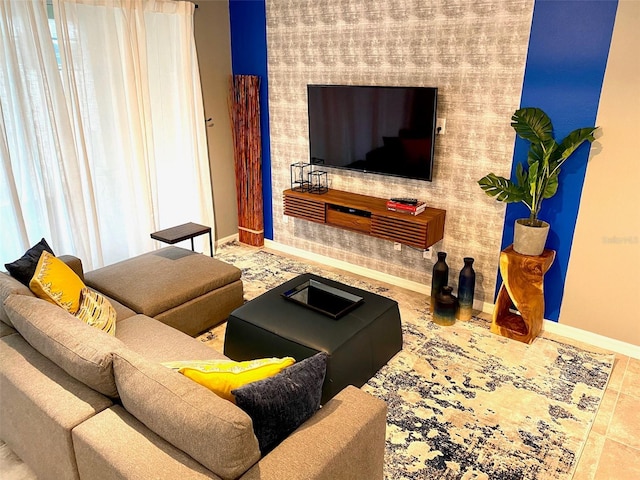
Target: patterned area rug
[{"x": 463, "y": 403}]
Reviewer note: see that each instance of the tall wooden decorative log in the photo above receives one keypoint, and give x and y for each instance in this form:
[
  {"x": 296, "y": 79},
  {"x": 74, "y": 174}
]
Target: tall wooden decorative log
[{"x": 245, "y": 121}]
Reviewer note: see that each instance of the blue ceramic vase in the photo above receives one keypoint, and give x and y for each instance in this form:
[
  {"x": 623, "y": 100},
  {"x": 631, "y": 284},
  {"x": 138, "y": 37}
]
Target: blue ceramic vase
[
  {"x": 466, "y": 290},
  {"x": 440, "y": 277},
  {"x": 446, "y": 307}
]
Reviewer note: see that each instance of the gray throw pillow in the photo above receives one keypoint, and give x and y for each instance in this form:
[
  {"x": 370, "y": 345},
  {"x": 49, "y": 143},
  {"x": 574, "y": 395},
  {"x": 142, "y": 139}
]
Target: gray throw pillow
[{"x": 280, "y": 404}]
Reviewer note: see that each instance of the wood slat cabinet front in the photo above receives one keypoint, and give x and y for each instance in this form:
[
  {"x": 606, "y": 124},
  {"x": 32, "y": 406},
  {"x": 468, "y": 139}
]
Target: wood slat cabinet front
[{"x": 367, "y": 215}]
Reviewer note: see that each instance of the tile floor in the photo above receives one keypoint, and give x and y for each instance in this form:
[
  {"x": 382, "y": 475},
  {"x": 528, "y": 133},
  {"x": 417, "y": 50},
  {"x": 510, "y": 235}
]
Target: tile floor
[
  {"x": 613, "y": 447},
  {"x": 612, "y": 451}
]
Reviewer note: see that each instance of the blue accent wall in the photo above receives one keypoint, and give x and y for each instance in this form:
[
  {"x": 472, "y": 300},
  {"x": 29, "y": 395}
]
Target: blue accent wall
[
  {"x": 566, "y": 61},
  {"x": 249, "y": 57}
]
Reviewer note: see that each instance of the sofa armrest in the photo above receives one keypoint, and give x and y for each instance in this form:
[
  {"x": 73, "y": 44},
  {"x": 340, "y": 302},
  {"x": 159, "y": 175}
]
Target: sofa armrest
[
  {"x": 74, "y": 263},
  {"x": 344, "y": 440}
]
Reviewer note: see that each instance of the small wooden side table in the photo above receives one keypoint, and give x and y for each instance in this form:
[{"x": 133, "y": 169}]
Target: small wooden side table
[
  {"x": 183, "y": 232},
  {"x": 522, "y": 289}
]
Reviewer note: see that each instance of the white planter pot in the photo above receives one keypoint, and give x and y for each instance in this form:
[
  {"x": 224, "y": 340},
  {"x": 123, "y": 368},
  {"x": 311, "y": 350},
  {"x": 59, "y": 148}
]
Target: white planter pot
[{"x": 529, "y": 240}]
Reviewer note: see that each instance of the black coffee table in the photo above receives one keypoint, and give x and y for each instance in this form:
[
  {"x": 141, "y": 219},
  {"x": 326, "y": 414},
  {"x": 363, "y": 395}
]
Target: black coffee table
[{"x": 358, "y": 343}]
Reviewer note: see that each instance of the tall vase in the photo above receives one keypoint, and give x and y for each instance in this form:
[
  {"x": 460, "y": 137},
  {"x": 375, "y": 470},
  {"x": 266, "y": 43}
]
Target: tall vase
[
  {"x": 446, "y": 306},
  {"x": 466, "y": 289},
  {"x": 439, "y": 279}
]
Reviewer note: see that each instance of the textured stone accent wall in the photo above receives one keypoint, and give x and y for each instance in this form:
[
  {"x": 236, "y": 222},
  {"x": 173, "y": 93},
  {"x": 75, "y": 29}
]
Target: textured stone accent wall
[{"x": 473, "y": 51}]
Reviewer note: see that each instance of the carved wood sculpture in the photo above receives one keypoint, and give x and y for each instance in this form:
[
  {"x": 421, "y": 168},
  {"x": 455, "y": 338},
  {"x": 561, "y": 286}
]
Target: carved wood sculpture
[{"x": 522, "y": 290}]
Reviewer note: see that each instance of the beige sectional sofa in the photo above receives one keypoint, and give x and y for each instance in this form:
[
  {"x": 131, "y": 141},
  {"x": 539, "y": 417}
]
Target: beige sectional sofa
[{"x": 76, "y": 402}]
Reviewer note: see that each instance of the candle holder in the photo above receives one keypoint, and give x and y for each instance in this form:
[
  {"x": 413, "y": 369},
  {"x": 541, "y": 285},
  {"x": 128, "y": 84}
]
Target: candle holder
[
  {"x": 300, "y": 172},
  {"x": 318, "y": 182}
]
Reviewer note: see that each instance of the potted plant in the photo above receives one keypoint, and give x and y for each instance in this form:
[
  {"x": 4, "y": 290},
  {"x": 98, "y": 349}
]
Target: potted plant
[{"x": 537, "y": 181}]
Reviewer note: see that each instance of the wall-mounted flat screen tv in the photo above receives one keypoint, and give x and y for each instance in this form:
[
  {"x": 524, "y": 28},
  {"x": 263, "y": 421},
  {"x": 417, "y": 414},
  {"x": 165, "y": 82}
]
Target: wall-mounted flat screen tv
[{"x": 383, "y": 130}]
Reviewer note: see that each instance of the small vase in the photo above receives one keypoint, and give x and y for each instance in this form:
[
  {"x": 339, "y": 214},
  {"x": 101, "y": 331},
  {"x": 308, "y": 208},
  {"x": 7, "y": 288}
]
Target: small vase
[
  {"x": 445, "y": 308},
  {"x": 466, "y": 289},
  {"x": 439, "y": 279}
]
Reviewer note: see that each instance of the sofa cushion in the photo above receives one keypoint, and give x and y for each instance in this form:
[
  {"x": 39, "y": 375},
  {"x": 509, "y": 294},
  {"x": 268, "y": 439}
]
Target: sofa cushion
[
  {"x": 24, "y": 268},
  {"x": 10, "y": 286},
  {"x": 222, "y": 376},
  {"x": 95, "y": 310},
  {"x": 280, "y": 404},
  {"x": 55, "y": 282},
  {"x": 177, "y": 276},
  {"x": 192, "y": 418},
  {"x": 165, "y": 345},
  {"x": 114, "y": 444},
  {"x": 122, "y": 312},
  {"x": 40, "y": 405},
  {"x": 82, "y": 351}
]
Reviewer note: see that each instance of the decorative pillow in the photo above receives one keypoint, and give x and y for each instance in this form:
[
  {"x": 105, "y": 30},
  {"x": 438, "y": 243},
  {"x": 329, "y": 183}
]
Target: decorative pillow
[
  {"x": 222, "y": 376},
  {"x": 24, "y": 268},
  {"x": 55, "y": 282},
  {"x": 97, "y": 311},
  {"x": 280, "y": 404}
]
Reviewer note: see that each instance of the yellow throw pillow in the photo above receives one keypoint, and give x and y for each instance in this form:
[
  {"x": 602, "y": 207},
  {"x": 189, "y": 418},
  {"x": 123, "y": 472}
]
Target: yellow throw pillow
[
  {"x": 222, "y": 376},
  {"x": 97, "y": 311},
  {"x": 55, "y": 282}
]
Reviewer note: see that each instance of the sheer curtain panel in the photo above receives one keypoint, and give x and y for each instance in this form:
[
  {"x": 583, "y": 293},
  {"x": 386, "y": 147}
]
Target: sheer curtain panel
[
  {"x": 39, "y": 176},
  {"x": 131, "y": 78},
  {"x": 129, "y": 86}
]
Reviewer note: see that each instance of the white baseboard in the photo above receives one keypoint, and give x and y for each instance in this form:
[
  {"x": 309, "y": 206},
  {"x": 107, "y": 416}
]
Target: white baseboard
[
  {"x": 591, "y": 338},
  {"x": 549, "y": 326}
]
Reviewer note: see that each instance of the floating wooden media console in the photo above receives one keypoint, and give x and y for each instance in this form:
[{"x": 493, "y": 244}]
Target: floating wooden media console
[{"x": 367, "y": 215}]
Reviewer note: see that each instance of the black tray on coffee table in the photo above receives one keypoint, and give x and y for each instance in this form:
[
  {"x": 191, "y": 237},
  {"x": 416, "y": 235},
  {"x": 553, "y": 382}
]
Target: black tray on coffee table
[{"x": 323, "y": 298}]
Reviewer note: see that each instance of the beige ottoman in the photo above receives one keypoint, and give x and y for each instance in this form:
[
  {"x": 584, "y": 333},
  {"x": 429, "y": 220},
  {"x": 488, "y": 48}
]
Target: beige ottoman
[{"x": 186, "y": 290}]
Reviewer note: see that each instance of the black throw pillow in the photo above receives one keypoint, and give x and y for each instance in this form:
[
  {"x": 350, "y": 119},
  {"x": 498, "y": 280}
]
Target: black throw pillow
[
  {"x": 280, "y": 404},
  {"x": 24, "y": 268}
]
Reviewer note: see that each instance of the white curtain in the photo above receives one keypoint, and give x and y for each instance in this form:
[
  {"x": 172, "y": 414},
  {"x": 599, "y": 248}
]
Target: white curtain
[
  {"x": 131, "y": 87},
  {"x": 39, "y": 174}
]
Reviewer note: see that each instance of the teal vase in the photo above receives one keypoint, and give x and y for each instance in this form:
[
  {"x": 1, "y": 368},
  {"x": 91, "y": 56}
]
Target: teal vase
[
  {"x": 446, "y": 307},
  {"x": 466, "y": 290},
  {"x": 440, "y": 277}
]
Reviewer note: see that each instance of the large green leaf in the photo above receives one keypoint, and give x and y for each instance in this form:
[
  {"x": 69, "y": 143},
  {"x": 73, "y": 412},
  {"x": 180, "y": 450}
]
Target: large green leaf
[
  {"x": 542, "y": 152},
  {"x": 533, "y": 125},
  {"x": 503, "y": 189},
  {"x": 521, "y": 174},
  {"x": 570, "y": 143},
  {"x": 533, "y": 178},
  {"x": 552, "y": 185}
]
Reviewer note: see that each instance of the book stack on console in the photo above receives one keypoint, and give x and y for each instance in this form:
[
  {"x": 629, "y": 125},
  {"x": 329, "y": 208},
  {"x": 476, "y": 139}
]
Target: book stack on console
[{"x": 411, "y": 206}]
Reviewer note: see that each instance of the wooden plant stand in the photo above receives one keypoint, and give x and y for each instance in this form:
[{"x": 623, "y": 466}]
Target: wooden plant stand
[{"x": 522, "y": 289}]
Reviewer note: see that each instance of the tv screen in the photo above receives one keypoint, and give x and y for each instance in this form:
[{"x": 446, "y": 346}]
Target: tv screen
[{"x": 384, "y": 130}]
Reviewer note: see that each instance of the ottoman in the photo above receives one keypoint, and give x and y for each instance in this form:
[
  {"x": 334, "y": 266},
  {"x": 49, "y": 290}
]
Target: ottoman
[
  {"x": 358, "y": 343},
  {"x": 186, "y": 290}
]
